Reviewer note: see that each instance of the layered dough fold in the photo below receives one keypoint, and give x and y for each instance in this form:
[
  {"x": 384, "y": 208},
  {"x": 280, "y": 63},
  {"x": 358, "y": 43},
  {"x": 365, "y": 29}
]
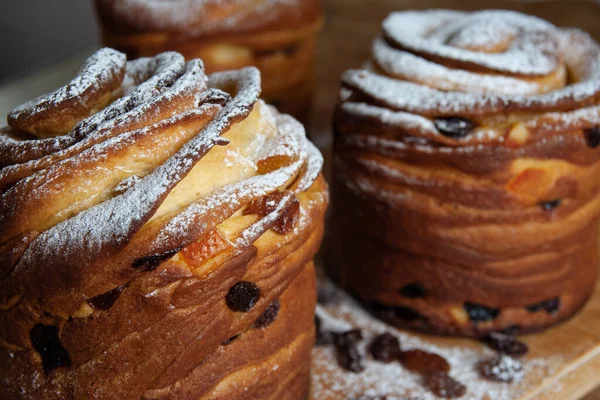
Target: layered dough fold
[
  {"x": 133, "y": 201},
  {"x": 466, "y": 163}
]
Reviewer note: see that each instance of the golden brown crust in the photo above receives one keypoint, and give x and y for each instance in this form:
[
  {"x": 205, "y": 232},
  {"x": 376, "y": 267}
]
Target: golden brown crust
[
  {"x": 475, "y": 208},
  {"x": 123, "y": 237}
]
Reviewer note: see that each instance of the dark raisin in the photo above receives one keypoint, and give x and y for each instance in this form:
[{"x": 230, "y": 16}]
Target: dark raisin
[
  {"x": 349, "y": 356},
  {"x": 592, "y": 137},
  {"x": 443, "y": 385},
  {"x": 371, "y": 398},
  {"x": 151, "y": 262},
  {"x": 506, "y": 344},
  {"x": 230, "y": 340},
  {"x": 551, "y": 306},
  {"x": 454, "y": 127},
  {"x": 385, "y": 347},
  {"x": 349, "y": 337},
  {"x": 288, "y": 220},
  {"x": 479, "y": 313},
  {"x": 46, "y": 342},
  {"x": 413, "y": 291},
  {"x": 106, "y": 300},
  {"x": 268, "y": 316},
  {"x": 502, "y": 369},
  {"x": 424, "y": 362},
  {"x": 550, "y": 205},
  {"x": 242, "y": 296}
]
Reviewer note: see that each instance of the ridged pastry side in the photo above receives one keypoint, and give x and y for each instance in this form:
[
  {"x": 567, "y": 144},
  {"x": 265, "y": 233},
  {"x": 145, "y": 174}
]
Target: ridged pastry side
[{"x": 466, "y": 157}]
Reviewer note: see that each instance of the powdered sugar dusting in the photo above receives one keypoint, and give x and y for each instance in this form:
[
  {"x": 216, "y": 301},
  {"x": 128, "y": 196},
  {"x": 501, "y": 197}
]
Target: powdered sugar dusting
[
  {"x": 196, "y": 17},
  {"x": 329, "y": 381}
]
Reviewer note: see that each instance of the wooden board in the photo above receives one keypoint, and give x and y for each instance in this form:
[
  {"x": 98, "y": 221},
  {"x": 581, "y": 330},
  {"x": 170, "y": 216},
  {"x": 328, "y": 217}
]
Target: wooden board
[{"x": 573, "y": 347}]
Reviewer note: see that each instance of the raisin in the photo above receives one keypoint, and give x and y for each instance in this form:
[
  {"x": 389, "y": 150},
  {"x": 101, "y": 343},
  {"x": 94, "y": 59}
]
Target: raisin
[
  {"x": 506, "y": 344},
  {"x": 454, "y": 127},
  {"x": 268, "y": 316},
  {"x": 502, "y": 369},
  {"x": 242, "y": 296},
  {"x": 385, "y": 347},
  {"x": 550, "y": 205},
  {"x": 424, "y": 362},
  {"x": 349, "y": 357},
  {"x": 151, "y": 262},
  {"x": 371, "y": 398},
  {"x": 46, "y": 342},
  {"x": 592, "y": 137},
  {"x": 413, "y": 291},
  {"x": 230, "y": 340},
  {"x": 106, "y": 300},
  {"x": 551, "y": 306},
  {"x": 443, "y": 385},
  {"x": 479, "y": 313}
]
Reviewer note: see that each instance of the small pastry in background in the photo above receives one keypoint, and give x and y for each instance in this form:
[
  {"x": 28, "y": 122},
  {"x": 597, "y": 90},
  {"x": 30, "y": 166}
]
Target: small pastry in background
[
  {"x": 276, "y": 36},
  {"x": 467, "y": 154},
  {"x": 157, "y": 231}
]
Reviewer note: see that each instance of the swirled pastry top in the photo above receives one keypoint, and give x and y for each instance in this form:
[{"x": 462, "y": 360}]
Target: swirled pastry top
[
  {"x": 129, "y": 163},
  {"x": 206, "y": 17},
  {"x": 493, "y": 69}
]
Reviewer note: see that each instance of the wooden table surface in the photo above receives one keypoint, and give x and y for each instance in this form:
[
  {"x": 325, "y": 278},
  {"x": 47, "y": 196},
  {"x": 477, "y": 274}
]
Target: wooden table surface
[{"x": 352, "y": 24}]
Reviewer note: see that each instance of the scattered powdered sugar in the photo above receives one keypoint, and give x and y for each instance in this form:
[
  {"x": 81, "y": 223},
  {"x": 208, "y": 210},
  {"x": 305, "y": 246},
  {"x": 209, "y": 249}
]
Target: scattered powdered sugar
[
  {"x": 532, "y": 52},
  {"x": 405, "y": 65},
  {"x": 195, "y": 17},
  {"x": 330, "y": 382}
]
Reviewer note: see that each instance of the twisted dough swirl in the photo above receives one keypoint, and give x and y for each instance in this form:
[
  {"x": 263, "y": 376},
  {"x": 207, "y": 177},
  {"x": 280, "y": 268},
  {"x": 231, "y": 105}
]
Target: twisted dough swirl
[
  {"x": 123, "y": 227},
  {"x": 470, "y": 145}
]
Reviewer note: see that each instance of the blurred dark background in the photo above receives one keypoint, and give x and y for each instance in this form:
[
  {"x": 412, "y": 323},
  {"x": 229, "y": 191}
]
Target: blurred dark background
[{"x": 39, "y": 33}]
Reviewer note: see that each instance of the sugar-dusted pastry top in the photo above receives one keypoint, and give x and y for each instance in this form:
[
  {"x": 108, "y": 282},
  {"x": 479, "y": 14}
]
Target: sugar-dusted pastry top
[
  {"x": 162, "y": 163},
  {"x": 492, "y": 67},
  {"x": 206, "y": 17}
]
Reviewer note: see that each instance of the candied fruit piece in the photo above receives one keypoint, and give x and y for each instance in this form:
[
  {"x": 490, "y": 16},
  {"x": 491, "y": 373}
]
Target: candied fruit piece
[{"x": 423, "y": 361}]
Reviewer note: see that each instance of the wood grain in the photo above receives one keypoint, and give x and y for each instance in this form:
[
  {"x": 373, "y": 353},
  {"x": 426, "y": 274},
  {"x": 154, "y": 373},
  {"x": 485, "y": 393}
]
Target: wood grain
[{"x": 345, "y": 43}]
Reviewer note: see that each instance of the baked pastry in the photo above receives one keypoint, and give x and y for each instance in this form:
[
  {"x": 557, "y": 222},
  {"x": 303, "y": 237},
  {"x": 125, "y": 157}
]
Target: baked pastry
[
  {"x": 157, "y": 233},
  {"x": 277, "y": 36},
  {"x": 465, "y": 174}
]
